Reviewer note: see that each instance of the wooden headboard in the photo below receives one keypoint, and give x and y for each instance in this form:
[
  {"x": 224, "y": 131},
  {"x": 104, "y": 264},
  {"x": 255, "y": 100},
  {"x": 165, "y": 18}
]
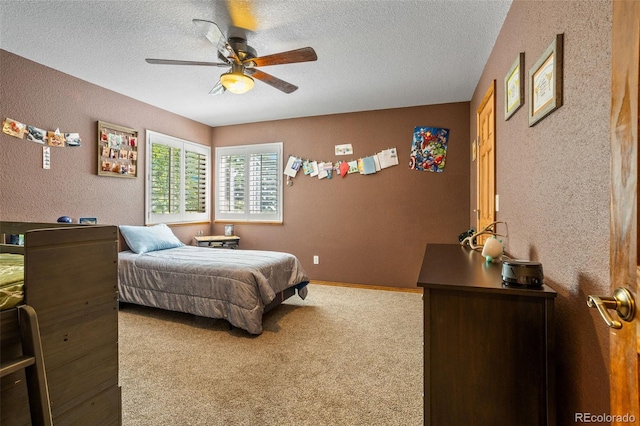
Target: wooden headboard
[{"x": 16, "y": 228}]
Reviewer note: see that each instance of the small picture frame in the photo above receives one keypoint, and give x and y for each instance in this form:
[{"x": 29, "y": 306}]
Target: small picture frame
[
  {"x": 545, "y": 82},
  {"x": 514, "y": 87},
  {"x": 228, "y": 231},
  {"x": 88, "y": 220},
  {"x": 16, "y": 239}
]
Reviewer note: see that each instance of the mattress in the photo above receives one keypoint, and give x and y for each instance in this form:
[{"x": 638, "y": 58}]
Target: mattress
[
  {"x": 11, "y": 280},
  {"x": 234, "y": 285}
]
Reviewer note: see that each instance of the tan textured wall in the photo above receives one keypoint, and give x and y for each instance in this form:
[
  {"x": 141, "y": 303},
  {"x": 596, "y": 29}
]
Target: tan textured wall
[
  {"x": 553, "y": 182},
  {"x": 48, "y": 99},
  {"x": 365, "y": 229}
]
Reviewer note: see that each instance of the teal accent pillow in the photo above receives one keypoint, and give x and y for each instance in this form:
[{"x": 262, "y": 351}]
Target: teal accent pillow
[{"x": 143, "y": 239}]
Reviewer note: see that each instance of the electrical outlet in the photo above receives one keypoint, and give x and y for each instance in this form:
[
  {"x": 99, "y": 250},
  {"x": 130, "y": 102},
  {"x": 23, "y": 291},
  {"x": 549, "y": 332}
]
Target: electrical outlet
[{"x": 316, "y": 260}]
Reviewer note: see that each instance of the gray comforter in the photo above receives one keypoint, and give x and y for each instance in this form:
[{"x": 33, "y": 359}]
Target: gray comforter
[{"x": 232, "y": 284}]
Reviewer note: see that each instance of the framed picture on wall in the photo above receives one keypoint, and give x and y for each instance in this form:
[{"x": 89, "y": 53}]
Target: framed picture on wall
[
  {"x": 514, "y": 87},
  {"x": 117, "y": 151},
  {"x": 545, "y": 82}
]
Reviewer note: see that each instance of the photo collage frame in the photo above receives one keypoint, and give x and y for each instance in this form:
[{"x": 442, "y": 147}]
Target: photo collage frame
[{"x": 117, "y": 151}]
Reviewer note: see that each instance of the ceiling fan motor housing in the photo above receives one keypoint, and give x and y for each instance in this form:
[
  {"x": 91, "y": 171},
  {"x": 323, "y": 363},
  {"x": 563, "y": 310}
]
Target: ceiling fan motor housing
[{"x": 242, "y": 49}]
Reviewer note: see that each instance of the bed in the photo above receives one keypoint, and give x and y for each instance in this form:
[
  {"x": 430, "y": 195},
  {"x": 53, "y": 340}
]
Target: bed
[
  {"x": 11, "y": 280},
  {"x": 238, "y": 286},
  {"x": 68, "y": 275}
]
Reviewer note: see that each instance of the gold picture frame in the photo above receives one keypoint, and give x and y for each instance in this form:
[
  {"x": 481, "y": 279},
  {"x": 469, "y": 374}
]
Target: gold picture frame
[
  {"x": 117, "y": 151},
  {"x": 514, "y": 87},
  {"x": 545, "y": 82}
]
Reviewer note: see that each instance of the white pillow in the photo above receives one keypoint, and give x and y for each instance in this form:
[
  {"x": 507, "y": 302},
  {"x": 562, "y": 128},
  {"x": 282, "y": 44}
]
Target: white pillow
[{"x": 143, "y": 239}]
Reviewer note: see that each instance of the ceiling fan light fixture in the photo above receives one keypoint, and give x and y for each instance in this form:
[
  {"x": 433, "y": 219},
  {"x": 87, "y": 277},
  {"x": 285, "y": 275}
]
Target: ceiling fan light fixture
[{"x": 236, "y": 82}]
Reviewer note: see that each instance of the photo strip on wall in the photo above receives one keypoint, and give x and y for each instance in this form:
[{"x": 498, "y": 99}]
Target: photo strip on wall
[{"x": 44, "y": 137}]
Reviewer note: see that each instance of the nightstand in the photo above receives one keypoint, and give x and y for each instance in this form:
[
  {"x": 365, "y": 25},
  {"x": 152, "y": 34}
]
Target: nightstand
[{"x": 218, "y": 241}]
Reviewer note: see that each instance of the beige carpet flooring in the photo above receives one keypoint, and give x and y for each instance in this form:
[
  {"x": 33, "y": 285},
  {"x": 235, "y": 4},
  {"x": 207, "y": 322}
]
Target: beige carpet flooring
[{"x": 343, "y": 356}]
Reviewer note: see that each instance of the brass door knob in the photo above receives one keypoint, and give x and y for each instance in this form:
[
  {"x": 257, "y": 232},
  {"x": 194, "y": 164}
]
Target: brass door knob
[{"x": 622, "y": 301}]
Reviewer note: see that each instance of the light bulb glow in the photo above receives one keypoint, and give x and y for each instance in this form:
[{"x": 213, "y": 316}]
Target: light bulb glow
[{"x": 236, "y": 82}]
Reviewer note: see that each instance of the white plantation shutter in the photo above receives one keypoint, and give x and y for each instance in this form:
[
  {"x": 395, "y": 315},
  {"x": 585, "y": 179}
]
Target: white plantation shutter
[
  {"x": 263, "y": 183},
  {"x": 195, "y": 188},
  {"x": 177, "y": 180},
  {"x": 249, "y": 183},
  {"x": 231, "y": 184},
  {"x": 165, "y": 179}
]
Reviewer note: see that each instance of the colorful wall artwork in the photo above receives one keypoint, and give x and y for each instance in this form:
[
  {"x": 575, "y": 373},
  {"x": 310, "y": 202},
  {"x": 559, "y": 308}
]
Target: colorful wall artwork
[{"x": 429, "y": 149}]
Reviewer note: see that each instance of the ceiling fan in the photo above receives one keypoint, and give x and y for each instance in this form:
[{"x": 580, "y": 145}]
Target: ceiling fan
[{"x": 243, "y": 62}]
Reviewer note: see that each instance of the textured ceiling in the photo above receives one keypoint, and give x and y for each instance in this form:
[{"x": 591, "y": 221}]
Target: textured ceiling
[{"x": 372, "y": 54}]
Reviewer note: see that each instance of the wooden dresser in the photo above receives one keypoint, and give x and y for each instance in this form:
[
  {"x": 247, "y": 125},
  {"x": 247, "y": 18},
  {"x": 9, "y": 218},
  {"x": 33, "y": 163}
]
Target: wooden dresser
[{"x": 488, "y": 348}]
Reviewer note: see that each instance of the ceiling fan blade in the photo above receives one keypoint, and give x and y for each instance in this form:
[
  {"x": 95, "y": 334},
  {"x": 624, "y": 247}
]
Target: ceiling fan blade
[
  {"x": 213, "y": 31},
  {"x": 178, "y": 62},
  {"x": 304, "y": 54},
  {"x": 215, "y": 36},
  {"x": 241, "y": 14},
  {"x": 271, "y": 80},
  {"x": 218, "y": 89}
]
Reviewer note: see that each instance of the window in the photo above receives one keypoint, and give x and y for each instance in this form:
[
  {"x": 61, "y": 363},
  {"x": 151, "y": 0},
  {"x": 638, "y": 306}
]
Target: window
[
  {"x": 249, "y": 183},
  {"x": 177, "y": 180}
]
